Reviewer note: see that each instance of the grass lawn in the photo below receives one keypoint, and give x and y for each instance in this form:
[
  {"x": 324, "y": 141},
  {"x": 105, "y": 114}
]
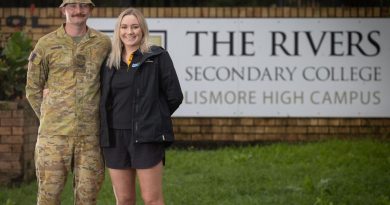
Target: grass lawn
[{"x": 331, "y": 172}]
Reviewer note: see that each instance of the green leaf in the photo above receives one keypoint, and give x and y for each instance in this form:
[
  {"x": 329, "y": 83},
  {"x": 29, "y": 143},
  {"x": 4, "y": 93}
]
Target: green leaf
[{"x": 13, "y": 61}]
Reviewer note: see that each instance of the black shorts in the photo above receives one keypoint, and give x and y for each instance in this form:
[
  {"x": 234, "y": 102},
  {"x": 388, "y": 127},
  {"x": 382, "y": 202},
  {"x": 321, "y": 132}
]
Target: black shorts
[{"x": 124, "y": 153}]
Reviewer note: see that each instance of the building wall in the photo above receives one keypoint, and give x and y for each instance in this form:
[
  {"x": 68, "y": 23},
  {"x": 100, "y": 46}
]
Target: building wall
[
  {"x": 40, "y": 21},
  {"x": 18, "y": 128},
  {"x": 18, "y": 134},
  {"x": 48, "y": 19}
]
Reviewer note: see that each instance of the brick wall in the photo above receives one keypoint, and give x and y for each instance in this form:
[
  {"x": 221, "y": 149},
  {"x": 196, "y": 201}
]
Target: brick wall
[
  {"x": 18, "y": 131},
  {"x": 18, "y": 128},
  {"x": 48, "y": 19},
  {"x": 231, "y": 129},
  {"x": 279, "y": 129}
]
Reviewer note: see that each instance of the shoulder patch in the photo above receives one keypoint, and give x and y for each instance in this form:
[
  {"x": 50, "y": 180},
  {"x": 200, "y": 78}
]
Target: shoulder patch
[{"x": 34, "y": 58}]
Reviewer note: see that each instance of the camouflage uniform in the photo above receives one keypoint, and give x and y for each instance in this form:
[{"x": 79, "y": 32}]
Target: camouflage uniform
[{"x": 69, "y": 114}]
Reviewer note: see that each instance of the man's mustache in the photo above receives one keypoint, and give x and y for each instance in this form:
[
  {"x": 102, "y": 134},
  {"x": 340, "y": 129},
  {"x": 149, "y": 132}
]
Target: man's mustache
[{"x": 78, "y": 15}]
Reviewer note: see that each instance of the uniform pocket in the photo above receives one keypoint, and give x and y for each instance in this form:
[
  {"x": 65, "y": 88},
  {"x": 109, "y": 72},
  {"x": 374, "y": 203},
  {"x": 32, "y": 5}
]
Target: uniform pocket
[{"x": 60, "y": 57}]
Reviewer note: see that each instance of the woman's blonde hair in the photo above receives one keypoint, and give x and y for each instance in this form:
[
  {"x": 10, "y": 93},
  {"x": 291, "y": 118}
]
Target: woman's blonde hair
[{"x": 114, "y": 59}]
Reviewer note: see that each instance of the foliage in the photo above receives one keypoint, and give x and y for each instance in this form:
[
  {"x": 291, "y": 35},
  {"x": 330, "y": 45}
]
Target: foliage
[
  {"x": 334, "y": 172},
  {"x": 13, "y": 60}
]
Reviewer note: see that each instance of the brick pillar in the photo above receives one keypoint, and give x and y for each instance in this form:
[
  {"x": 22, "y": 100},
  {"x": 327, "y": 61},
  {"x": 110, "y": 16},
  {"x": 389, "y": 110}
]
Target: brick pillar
[{"x": 18, "y": 134}]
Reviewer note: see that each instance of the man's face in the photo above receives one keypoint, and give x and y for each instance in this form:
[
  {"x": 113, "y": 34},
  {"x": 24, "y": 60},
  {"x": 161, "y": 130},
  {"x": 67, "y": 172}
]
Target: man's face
[{"x": 76, "y": 13}]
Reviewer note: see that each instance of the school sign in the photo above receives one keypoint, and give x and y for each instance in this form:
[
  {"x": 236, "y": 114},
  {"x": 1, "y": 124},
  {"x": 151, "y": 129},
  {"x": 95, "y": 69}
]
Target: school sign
[{"x": 277, "y": 67}]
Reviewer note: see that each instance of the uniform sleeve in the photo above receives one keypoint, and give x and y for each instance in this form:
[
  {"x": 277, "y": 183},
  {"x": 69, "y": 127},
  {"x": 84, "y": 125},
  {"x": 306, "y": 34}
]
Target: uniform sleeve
[
  {"x": 36, "y": 78},
  {"x": 170, "y": 82}
]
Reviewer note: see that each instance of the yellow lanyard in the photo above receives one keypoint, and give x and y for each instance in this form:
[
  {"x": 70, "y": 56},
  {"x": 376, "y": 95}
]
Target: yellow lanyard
[{"x": 130, "y": 59}]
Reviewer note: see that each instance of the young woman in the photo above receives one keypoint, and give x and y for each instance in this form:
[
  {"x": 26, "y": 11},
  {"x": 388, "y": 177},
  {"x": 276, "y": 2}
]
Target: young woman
[{"x": 140, "y": 92}]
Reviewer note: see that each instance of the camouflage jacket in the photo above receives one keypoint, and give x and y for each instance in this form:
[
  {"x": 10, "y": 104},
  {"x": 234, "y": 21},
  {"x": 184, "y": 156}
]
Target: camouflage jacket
[{"x": 71, "y": 72}]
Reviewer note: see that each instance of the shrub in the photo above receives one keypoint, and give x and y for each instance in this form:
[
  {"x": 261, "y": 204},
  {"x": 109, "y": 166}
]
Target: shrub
[{"x": 13, "y": 61}]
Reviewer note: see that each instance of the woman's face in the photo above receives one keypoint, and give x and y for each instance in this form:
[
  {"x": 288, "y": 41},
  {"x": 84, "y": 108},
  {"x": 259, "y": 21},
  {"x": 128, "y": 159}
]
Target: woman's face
[{"x": 130, "y": 32}]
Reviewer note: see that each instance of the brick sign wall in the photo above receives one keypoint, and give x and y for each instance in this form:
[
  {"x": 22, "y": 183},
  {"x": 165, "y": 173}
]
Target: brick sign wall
[
  {"x": 40, "y": 21},
  {"x": 18, "y": 126},
  {"x": 18, "y": 131}
]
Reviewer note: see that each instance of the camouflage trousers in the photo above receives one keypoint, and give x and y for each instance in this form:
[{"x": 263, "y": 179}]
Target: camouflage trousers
[{"x": 57, "y": 156}]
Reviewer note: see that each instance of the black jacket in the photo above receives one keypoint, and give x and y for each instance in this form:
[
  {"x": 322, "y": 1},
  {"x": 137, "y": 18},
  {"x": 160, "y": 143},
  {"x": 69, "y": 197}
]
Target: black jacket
[{"x": 157, "y": 95}]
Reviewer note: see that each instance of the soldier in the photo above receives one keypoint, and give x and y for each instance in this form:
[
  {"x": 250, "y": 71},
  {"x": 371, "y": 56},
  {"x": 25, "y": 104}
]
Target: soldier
[{"x": 63, "y": 88}]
